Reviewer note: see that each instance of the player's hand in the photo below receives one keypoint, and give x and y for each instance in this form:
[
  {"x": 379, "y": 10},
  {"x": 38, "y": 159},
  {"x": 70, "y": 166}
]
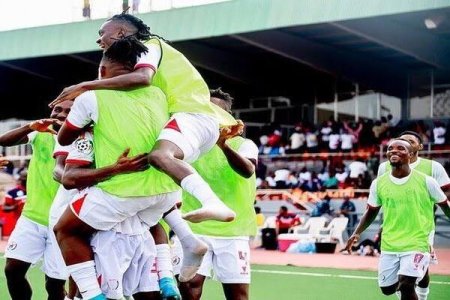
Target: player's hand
[
  {"x": 43, "y": 125},
  {"x": 3, "y": 161},
  {"x": 351, "y": 241},
  {"x": 69, "y": 93},
  {"x": 229, "y": 132},
  {"x": 136, "y": 163}
]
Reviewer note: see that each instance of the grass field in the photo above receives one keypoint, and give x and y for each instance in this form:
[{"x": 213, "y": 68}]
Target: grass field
[{"x": 285, "y": 283}]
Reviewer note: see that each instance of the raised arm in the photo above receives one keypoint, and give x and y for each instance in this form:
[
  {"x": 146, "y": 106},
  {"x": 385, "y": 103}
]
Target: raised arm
[
  {"x": 81, "y": 176},
  {"x": 19, "y": 135}
]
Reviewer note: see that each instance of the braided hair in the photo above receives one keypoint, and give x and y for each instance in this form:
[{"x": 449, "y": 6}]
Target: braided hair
[
  {"x": 126, "y": 51},
  {"x": 143, "y": 32}
]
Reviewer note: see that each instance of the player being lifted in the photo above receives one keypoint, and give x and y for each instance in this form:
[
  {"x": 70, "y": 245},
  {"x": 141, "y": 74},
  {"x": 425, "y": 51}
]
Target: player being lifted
[{"x": 195, "y": 122}]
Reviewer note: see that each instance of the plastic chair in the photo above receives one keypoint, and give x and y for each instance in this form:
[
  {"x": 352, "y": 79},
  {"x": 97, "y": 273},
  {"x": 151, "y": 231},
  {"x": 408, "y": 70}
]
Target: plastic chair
[{"x": 334, "y": 230}]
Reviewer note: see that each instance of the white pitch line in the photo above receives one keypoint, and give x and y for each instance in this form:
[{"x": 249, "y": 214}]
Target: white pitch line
[{"x": 330, "y": 275}]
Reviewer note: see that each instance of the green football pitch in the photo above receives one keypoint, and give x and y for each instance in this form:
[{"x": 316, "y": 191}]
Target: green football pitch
[{"x": 285, "y": 283}]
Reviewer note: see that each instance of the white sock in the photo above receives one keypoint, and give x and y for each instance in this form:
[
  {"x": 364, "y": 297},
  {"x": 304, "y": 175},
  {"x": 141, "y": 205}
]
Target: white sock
[
  {"x": 76, "y": 298},
  {"x": 195, "y": 185},
  {"x": 178, "y": 225},
  {"x": 85, "y": 277},
  {"x": 67, "y": 298},
  {"x": 164, "y": 261},
  {"x": 422, "y": 293},
  {"x": 399, "y": 294}
]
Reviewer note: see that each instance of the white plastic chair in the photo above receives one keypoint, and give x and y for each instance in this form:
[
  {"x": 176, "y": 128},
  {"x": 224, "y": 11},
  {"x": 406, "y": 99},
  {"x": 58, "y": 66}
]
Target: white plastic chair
[
  {"x": 334, "y": 230},
  {"x": 308, "y": 231}
]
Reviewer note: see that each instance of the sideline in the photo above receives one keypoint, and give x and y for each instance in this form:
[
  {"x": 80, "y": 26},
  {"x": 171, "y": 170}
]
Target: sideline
[{"x": 330, "y": 275}]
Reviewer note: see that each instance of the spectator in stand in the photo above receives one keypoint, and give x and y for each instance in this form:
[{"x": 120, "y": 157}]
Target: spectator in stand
[
  {"x": 334, "y": 140},
  {"x": 260, "y": 218},
  {"x": 297, "y": 139},
  {"x": 286, "y": 220},
  {"x": 357, "y": 168},
  {"x": 312, "y": 185},
  {"x": 325, "y": 132},
  {"x": 348, "y": 210},
  {"x": 423, "y": 130},
  {"x": 322, "y": 208},
  {"x": 270, "y": 179},
  {"x": 331, "y": 182},
  {"x": 378, "y": 131},
  {"x": 439, "y": 133},
  {"x": 292, "y": 180},
  {"x": 323, "y": 175},
  {"x": 14, "y": 201},
  {"x": 304, "y": 175},
  {"x": 355, "y": 130},
  {"x": 16, "y": 197},
  {"x": 312, "y": 142},
  {"x": 346, "y": 141},
  {"x": 366, "y": 136},
  {"x": 282, "y": 178}
]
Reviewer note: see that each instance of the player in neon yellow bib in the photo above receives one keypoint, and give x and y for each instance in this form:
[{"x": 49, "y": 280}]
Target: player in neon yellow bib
[
  {"x": 195, "y": 122},
  {"x": 29, "y": 241},
  {"x": 233, "y": 179},
  {"x": 431, "y": 168},
  {"x": 407, "y": 197}
]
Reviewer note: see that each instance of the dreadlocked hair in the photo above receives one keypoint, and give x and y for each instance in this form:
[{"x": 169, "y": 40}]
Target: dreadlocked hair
[
  {"x": 143, "y": 31},
  {"x": 126, "y": 50}
]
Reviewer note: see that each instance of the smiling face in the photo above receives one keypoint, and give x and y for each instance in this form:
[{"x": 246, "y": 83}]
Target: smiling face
[
  {"x": 60, "y": 111},
  {"x": 399, "y": 152},
  {"x": 110, "y": 32}
]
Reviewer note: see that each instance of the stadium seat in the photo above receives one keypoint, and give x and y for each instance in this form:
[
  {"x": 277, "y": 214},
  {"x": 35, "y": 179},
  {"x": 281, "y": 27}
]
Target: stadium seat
[{"x": 334, "y": 231}]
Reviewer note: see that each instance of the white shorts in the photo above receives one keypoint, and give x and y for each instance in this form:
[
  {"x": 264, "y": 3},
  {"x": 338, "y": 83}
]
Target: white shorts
[
  {"x": 125, "y": 264},
  {"x": 194, "y": 134},
  {"x": 59, "y": 205},
  {"x": 414, "y": 264},
  {"x": 30, "y": 241},
  {"x": 103, "y": 211},
  {"x": 228, "y": 259}
]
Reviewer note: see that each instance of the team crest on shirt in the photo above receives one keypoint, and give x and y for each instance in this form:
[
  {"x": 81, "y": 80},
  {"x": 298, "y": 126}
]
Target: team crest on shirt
[
  {"x": 84, "y": 145},
  {"x": 242, "y": 255},
  {"x": 176, "y": 260},
  {"x": 12, "y": 245}
]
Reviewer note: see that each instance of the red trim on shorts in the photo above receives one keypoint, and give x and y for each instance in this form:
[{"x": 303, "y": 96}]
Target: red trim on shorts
[
  {"x": 173, "y": 125},
  {"x": 71, "y": 126},
  {"x": 78, "y": 162},
  {"x": 140, "y": 66},
  {"x": 99, "y": 280},
  {"x": 58, "y": 153},
  {"x": 77, "y": 204}
]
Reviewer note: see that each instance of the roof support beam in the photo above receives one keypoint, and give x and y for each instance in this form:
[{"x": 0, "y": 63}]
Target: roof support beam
[
  {"x": 418, "y": 44},
  {"x": 351, "y": 66}
]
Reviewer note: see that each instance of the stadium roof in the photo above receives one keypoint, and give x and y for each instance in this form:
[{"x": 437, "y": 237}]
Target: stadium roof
[{"x": 302, "y": 50}]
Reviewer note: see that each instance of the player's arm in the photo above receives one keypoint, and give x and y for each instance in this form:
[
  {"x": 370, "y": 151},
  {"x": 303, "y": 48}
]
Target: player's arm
[
  {"x": 58, "y": 171},
  {"x": 373, "y": 207},
  {"x": 83, "y": 112},
  {"x": 19, "y": 135},
  {"x": 81, "y": 176}
]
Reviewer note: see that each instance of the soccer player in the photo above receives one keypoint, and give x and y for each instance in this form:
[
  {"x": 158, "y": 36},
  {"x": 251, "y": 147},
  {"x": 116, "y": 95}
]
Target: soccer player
[
  {"x": 229, "y": 168},
  {"x": 431, "y": 168},
  {"x": 407, "y": 197},
  {"x": 30, "y": 241},
  {"x": 194, "y": 125},
  {"x": 124, "y": 269},
  {"x": 117, "y": 118}
]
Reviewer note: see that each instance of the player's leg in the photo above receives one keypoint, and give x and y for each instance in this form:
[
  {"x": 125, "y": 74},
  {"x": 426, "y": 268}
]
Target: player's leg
[
  {"x": 193, "y": 248},
  {"x": 412, "y": 269},
  {"x": 406, "y": 286},
  {"x": 423, "y": 287},
  {"x": 167, "y": 283},
  {"x": 184, "y": 138},
  {"x": 231, "y": 266},
  {"x": 18, "y": 286},
  {"x": 237, "y": 291},
  {"x": 388, "y": 268},
  {"x": 55, "y": 288},
  {"x": 25, "y": 247},
  {"x": 192, "y": 290}
]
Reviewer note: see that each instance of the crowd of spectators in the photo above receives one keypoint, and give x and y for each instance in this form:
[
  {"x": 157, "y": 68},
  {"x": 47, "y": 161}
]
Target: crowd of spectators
[{"x": 345, "y": 136}]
